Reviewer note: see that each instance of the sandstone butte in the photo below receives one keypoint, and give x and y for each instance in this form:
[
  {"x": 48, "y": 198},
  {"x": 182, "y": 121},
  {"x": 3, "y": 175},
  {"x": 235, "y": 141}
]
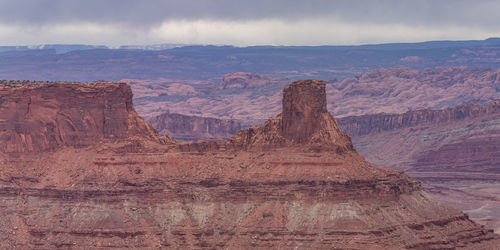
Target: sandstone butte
[{"x": 80, "y": 169}]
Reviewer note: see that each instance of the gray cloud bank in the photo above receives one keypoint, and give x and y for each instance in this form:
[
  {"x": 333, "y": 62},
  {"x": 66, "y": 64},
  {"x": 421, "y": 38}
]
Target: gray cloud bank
[{"x": 128, "y": 20}]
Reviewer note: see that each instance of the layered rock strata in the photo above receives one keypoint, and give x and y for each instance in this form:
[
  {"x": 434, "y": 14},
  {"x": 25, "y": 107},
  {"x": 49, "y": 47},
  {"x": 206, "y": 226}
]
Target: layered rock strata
[
  {"x": 265, "y": 188},
  {"x": 461, "y": 138},
  {"x": 375, "y": 123},
  {"x": 37, "y": 116},
  {"x": 454, "y": 151},
  {"x": 193, "y": 128}
]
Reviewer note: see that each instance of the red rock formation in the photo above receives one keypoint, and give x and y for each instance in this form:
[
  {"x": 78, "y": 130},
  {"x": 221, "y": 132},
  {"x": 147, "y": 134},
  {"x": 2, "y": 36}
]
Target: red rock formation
[
  {"x": 283, "y": 196},
  {"x": 304, "y": 104},
  {"x": 193, "y": 128},
  {"x": 37, "y": 116},
  {"x": 305, "y": 122}
]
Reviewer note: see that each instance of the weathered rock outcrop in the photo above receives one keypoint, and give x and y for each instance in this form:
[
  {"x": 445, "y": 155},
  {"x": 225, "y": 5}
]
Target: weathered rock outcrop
[
  {"x": 37, "y": 116},
  {"x": 193, "y": 128},
  {"x": 279, "y": 196},
  {"x": 305, "y": 122}
]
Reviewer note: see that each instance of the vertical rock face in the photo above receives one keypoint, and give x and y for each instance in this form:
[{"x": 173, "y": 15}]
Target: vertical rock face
[
  {"x": 36, "y": 117},
  {"x": 304, "y": 104},
  {"x": 305, "y": 122}
]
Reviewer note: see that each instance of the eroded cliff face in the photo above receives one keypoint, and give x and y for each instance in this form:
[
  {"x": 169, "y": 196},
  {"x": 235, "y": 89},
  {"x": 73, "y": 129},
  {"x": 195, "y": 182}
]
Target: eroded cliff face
[
  {"x": 454, "y": 151},
  {"x": 37, "y": 117},
  {"x": 463, "y": 138},
  {"x": 265, "y": 188},
  {"x": 375, "y": 123},
  {"x": 193, "y": 128}
]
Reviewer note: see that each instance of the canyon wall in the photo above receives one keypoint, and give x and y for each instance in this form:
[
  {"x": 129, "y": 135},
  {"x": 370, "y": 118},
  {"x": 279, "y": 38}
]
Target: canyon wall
[{"x": 375, "y": 123}]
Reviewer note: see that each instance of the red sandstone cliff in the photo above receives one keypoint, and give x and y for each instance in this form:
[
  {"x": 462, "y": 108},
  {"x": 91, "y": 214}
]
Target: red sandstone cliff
[
  {"x": 37, "y": 116},
  {"x": 295, "y": 182},
  {"x": 193, "y": 128}
]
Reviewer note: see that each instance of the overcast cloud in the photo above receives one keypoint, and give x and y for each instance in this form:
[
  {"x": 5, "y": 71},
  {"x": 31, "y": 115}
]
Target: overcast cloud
[{"x": 276, "y": 22}]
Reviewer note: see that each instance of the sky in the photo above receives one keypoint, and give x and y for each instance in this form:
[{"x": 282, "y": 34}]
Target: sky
[{"x": 244, "y": 23}]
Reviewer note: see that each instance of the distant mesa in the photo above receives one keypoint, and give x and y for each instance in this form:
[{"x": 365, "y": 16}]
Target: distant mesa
[{"x": 410, "y": 59}]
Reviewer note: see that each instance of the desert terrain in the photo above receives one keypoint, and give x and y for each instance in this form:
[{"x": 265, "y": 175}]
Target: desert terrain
[{"x": 295, "y": 181}]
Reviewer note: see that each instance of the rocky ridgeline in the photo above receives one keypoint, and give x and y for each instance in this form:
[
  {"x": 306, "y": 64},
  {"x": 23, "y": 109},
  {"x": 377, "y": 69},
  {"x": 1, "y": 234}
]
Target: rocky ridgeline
[
  {"x": 27, "y": 83},
  {"x": 246, "y": 80},
  {"x": 462, "y": 138},
  {"x": 375, "y": 123},
  {"x": 295, "y": 182}
]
